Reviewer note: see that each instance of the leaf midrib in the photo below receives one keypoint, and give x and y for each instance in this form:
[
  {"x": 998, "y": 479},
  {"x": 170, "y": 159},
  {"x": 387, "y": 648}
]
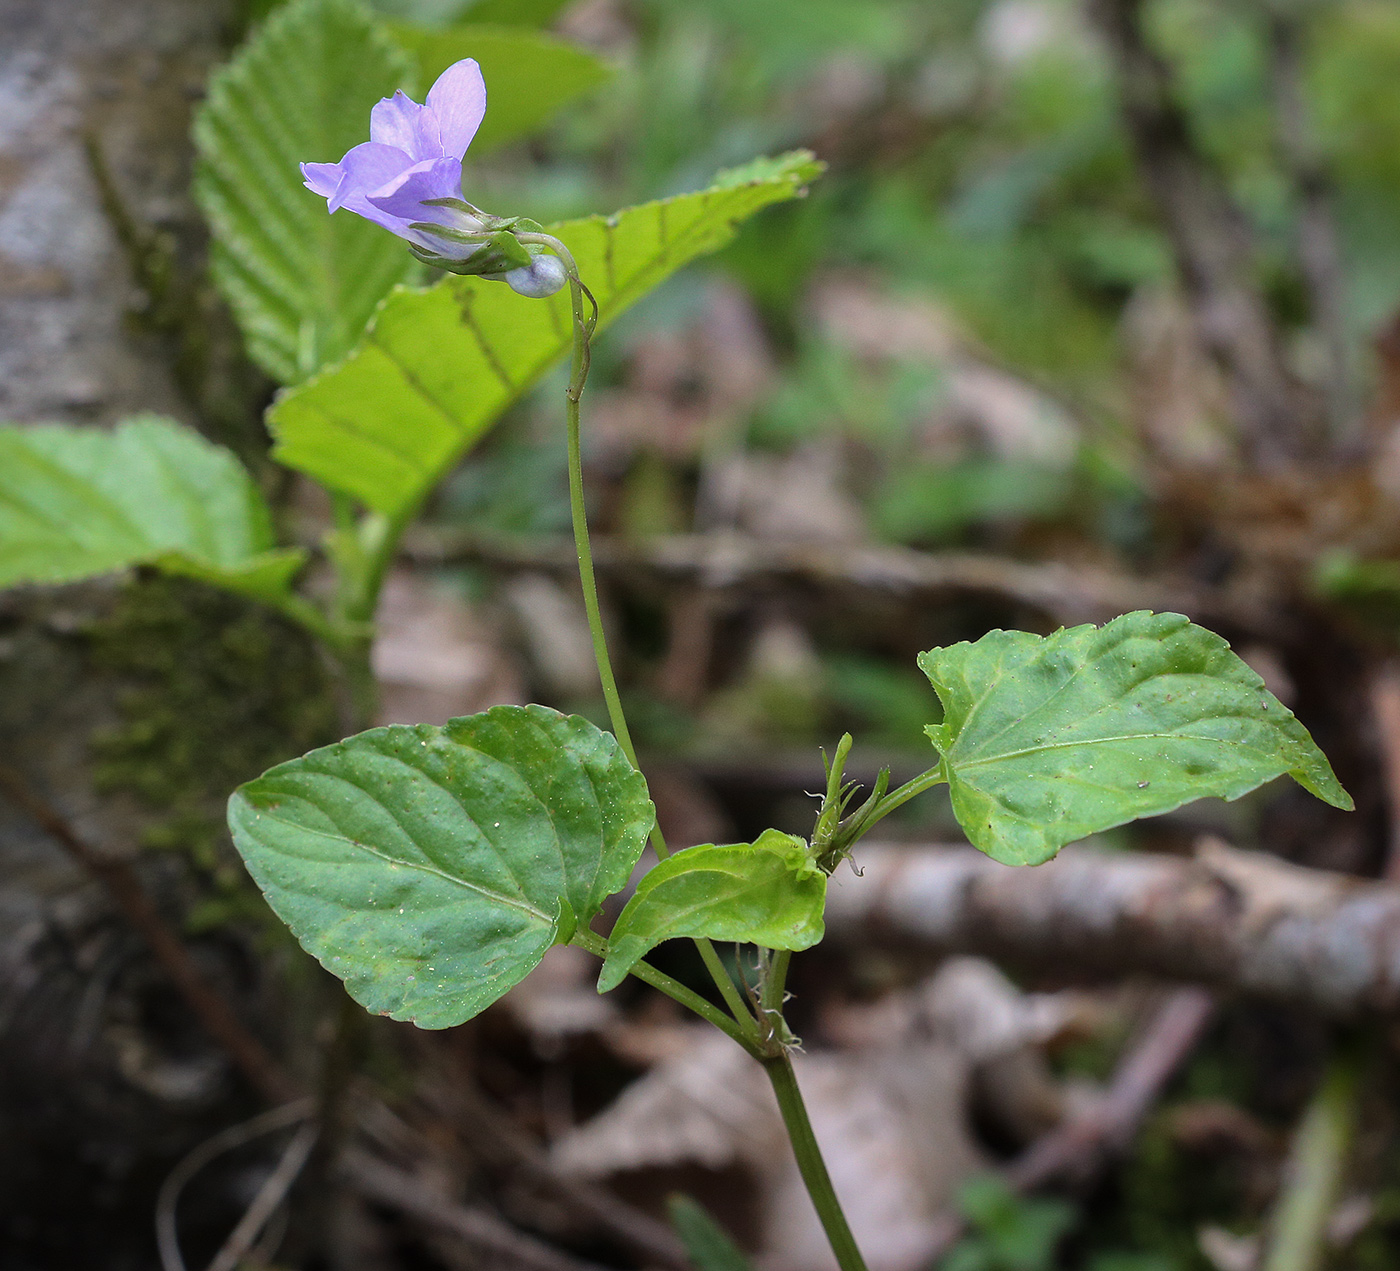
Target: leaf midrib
[
  {"x": 1099, "y": 741},
  {"x": 463, "y": 883}
]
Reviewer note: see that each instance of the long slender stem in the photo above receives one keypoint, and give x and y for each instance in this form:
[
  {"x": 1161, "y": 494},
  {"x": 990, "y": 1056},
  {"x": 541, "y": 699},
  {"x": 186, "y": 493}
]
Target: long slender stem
[
  {"x": 743, "y": 1028},
  {"x": 578, "y": 375},
  {"x": 810, "y": 1163}
]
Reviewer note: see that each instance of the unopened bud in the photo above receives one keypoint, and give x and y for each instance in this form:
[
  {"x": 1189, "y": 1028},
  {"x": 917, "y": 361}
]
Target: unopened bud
[{"x": 543, "y": 276}]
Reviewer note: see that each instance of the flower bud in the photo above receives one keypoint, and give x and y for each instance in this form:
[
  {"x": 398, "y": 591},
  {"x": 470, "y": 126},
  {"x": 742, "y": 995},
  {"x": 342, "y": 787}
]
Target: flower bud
[{"x": 543, "y": 276}]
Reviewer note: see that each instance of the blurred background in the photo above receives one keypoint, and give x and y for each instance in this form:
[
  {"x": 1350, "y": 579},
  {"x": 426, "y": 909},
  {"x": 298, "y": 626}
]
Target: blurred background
[{"x": 1097, "y": 308}]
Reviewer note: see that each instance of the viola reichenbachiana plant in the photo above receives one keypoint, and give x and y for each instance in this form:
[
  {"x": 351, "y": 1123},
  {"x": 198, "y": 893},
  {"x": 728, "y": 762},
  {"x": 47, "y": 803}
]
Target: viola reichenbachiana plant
[{"x": 430, "y": 868}]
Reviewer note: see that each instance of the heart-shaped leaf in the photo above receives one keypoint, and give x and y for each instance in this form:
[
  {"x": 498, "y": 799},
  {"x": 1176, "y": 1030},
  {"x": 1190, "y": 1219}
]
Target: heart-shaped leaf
[
  {"x": 75, "y": 502},
  {"x": 769, "y": 892},
  {"x": 1048, "y": 739},
  {"x": 430, "y": 868}
]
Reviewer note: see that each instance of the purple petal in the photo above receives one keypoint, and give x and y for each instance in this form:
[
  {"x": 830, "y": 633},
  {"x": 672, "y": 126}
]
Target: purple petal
[
  {"x": 441, "y": 179},
  {"x": 455, "y": 106},
  {"x": 367, "y": 169},
  {"x": 322, "y": 178},
  {"x": 395, "y": 122},
  {"x": 361, "y": 206}
]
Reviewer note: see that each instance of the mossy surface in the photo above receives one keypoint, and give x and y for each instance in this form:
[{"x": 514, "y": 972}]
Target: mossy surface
[{"x": 215, "y": 690}]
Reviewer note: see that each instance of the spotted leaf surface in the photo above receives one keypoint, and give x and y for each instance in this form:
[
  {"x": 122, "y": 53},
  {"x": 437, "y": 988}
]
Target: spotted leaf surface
[
  {"x": 430, "y": 868},
  {"x": 1047, "y": 739}
]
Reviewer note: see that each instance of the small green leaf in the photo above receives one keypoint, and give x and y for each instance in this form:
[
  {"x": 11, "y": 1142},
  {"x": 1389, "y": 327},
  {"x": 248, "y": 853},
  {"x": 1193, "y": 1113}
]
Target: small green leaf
[
  {"x": 302, "y": 284},
  {"x": 1014, "y": 1233},
  {"x": 439, "y": 365},
  {"x": 769, "y": 893},
  {"x": 75, "y": 502},
  {"x": 1048, "y": 739},
  {"x": 706, "y": 1242},
  {"x": 529, "y": 75},
  {"x": 430, "y": 868}
]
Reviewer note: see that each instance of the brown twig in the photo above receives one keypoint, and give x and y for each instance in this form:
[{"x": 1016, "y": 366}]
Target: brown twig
[
  {"x": 126, "y": 889},
  {"x": 492, "y": 1238},
  {"x": 167, "y": 1203},
  {"x": 1243, "y": 922},
  {"x": 486, "y": 1126},
  {"x": 270, "y": 1195},
  {"x": 721, "y": 561},
  {"x": 1085, "y": 1142}
]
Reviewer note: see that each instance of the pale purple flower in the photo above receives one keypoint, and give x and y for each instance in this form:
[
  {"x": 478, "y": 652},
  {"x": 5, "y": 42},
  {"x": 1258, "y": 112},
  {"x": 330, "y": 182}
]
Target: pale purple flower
[{"x": 414, "y": 155}]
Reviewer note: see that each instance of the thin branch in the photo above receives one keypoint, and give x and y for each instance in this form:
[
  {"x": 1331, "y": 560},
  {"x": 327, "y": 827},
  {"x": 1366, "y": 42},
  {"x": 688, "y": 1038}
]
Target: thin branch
[
  {"x": 270, "y": 1196},
  {"x": 1244, "y": 922},
  {"x": 460, "y": 1101},
  {"x": 488, "y": 1235},
  {"x": 1086, "y": 1141},
  {"x": 167, "y": 1218},
  {"x": 1211, "y": 239},
  {"x": 719, "y": 562},
  {"x": 124, "y": 885}
]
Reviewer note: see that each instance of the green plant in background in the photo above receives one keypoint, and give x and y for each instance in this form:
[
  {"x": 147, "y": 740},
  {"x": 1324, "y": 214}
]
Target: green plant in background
[
  {"x": 706, "y": 1242},
  {"x": 1010, "y": 1233},
  {"x": 432, "y": 868}
]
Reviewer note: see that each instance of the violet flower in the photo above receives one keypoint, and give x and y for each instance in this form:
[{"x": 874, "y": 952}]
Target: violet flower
[{"x": 414, "y": 155}]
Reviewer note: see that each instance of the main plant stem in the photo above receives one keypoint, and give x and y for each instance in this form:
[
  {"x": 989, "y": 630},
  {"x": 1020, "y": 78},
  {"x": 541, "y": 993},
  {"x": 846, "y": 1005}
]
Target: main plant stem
[
  {"x": 810, "y": 1163},
  {"x": 578, "y": 375},
  {"x": 756, "y": 1033}
]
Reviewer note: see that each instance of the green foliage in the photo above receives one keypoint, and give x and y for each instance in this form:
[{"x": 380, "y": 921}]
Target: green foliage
[
  {"x": 706, "y": 1242},
  {"x": 787, "y": 34},
  {"x": 302, "y": 284},
  {"x": 890, "y": 703},
  {"x": 924, "y": 502},
  {"x": 769, "y": 893},
  {"x": 1116, "y": 1261},
  {"x": 75, "y": 502},
  {"x": 529, "y": 75},
  {"x": 431, "y": 868},
  {"x": 527, "y": 13},
  {"x": 1047, "y": 740},
  {"x": 1011, "y": 1233},
  {"x": 440, "y": 365}
]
